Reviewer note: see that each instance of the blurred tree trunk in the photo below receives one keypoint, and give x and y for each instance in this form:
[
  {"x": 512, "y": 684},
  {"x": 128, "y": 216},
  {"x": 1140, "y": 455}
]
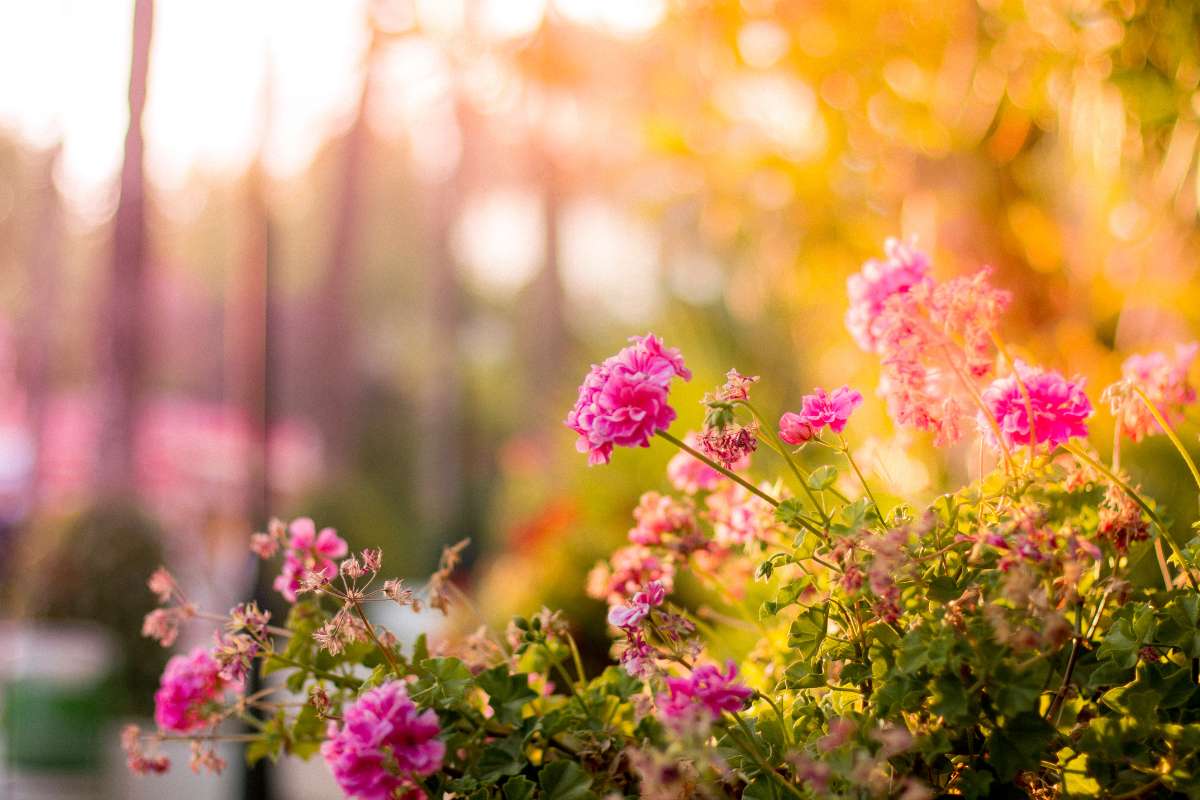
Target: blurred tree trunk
[
  {"x": 45, "y": 264},
  {"x": 547, "y": 330},
  {"x": 335, "y": 349},
  {"x": 442, "y": 439},
  {"x": 123, "y": 326}
]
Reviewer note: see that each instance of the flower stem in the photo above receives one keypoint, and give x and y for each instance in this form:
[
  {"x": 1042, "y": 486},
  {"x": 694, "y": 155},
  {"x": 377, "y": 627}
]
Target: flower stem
[
  {"x": 1170, "y": 432},
  {"x": 1137, "y": 498},
  {"x": 733, "y": 476},
  {"x": 388, "y": 655},
  {"x": 783, "y": 451},
  {"x": 861, "y": 479}
]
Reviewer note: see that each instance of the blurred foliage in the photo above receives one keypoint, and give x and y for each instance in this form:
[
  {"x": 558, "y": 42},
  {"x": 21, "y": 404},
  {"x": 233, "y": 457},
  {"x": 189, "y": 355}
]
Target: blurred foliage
[{"x": 93, "y": 567}]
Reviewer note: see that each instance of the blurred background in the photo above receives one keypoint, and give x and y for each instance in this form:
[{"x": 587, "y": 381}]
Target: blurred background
[{"x": 350, "y": 259}]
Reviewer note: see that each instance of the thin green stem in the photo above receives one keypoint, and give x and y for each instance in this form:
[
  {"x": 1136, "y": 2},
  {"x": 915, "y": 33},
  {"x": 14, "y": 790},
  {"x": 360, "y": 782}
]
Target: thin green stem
[
  {"x": 861, "y": 478},
  {"x": 750, "y": 749},
  {"x": 1137, "y": 498},
  {"x": 801, "y": 479},
  {"x": 1170, "y": 432},
  {"x": 345, "y": 681},
  {"x": 733, "y": 476}
]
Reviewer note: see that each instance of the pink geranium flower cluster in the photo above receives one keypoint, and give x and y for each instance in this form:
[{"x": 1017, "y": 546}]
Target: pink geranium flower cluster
[
  {"x": 819, "y": 410},
  {"x": 631, "y": 615},
  {"x": 703, "y": 696},
  {"x": 308, "y": 552},
  {"x": 1164, "y": 381},
  {"x": 626, "y": 572},
  {"x": 189, "y": 692},
  {"x": 1060, "y": 408},
  {"x": 934, "y": 339},
  {"x": 739, "y": 517},
  {"x": 383, "y": 742},
  {"x": 661, "y": 517},
  {"x": 623, "y": 401}
]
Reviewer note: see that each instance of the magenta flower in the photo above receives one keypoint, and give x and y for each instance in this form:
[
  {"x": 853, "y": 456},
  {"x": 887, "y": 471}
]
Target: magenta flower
[
  {"x": 189, "y": 692},
  {"x": 869, "y": 290},
  {"x": 702, "y": 696},
  {"x": 1060, "y": 408},
  {"x": 818, "y": 410},
  {"x": 689, "y": 474},
  {"x": 308, "y": 551},
  {"x": 384, "y": 741},
  {"x": 1163, "y": 379},
  {"x": 624, "y": 400}
]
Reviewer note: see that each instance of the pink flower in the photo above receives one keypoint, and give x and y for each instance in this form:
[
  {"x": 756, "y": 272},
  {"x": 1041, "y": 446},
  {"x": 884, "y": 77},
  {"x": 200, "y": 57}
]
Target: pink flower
[
  {"x": 660, "y": 516},
  {"x": 629, "y": 569},
  {"x": 731, "y": 444},
  {"x": 384, "y": 741},
  {"x": 1060, "y": 408},
  {"x": 706, "y": 692},
  {"x": 818, "y": 410},
  {"x": 689, "y": 474},
  {"x": 189, "y": 692},
  {"x": 739, "y": 517},
  {"x": 1163, "y": 379},
  {"x": 624, "y": 400},
  {"x": 308, "y": 551},
  {"x": 869, "y": 290},
  {"x": 934, "y": 340},
  {"x": 630, "y": 616}
]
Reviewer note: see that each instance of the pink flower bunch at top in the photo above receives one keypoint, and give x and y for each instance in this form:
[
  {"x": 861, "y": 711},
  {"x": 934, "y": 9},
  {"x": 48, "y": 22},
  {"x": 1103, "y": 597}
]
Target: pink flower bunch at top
[
  {"x": 869, "y": 290},
  {"x": 627, "y": 571},
  {"x": 739, "y": 517},
  {"x": 658, "y": 516},
  {"x": 1163, "y": 379},
  {"x": 631, "y": 615},
  {"x": 689, "y": 474},
  {"x": 308, "y": 551},
  {"x": 934, "y": 341},
  {"x": 818, "y": 410},
  {"x": 383, "y": 742},
  {"x": 1060, "y": 408},
  {"x": 190, "y": 687},
  {"x": 624, "y": 400},
  {"x": 707, "y": 692}
]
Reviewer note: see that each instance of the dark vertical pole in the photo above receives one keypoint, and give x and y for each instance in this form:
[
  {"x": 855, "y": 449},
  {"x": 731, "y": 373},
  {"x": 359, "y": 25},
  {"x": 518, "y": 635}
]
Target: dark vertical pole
[{"x": 123, "y": 327}]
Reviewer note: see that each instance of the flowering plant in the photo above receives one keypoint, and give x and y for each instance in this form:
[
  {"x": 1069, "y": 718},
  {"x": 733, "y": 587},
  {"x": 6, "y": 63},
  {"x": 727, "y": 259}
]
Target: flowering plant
[{"x": 997, "y": 642}]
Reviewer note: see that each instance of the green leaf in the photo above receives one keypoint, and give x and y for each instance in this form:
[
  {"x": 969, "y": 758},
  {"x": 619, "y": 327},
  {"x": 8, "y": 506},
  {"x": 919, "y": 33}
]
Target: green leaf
[
  {"x": 808, "y": 631},
  {"x": 442, "y": 681},
  {"x": 1077, "y": 781},
  {"x": 948, "y": 698},
  {"x": 564, "y": 780},
  {"x": 501, "y": 758},
  {"x": 518, "y": 787},
  {"x": 1019, "y": 745},
  {"x": 943, "y": 589},
  {"x": 507, "y": 694},
  {"x": 822, "y": 478},
  {"x": 789, "y": 513}
]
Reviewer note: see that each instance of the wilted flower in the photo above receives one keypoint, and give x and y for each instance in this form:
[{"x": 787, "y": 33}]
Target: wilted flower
[
  {"x": 731, "y": 444},
  {"x": 1060, "y": 408},
  {"x": 819, "y": 410},
  {"x": 383, "y": 742},
  {"x": 162, "y": 584},
  {"x": 136, "y": 758},
  {"x": 1164, "y": 381},
  {"x": 736, "y": 387},
  {"x": 689, "y": 474},
  {"x": 204, "y": 757},
  {"x": 623, "y": 401},
  {"x": 162, "y": 625}
]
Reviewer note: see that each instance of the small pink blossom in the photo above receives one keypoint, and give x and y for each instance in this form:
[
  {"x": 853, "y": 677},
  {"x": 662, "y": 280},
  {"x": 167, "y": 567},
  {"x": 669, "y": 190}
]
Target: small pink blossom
[
  {"x": 1060, "y": 408},
  {"x": 631, "y": 616},
  {"x": 139, "y": 761},
  {"x": 628, "y": 570},
  {"x": 707, "y": 692},
  {"x": 308, "y": 551},
  {"x": 739, "y": 517},
  {"x": 691, "y": 475},
  {"x": 161, "y": 584},
  {"x": 384, "y": 741},
  {"x": 1163, "y": 379},
  {"x": 903, "y": 268},
  {"x": 189, "y": 692},
  {"x": 623, "y": 401},
  {"x": 736, "y": 387},
  {"x": 819, "y": 410},
  {"x": 659, "y": 516}
]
